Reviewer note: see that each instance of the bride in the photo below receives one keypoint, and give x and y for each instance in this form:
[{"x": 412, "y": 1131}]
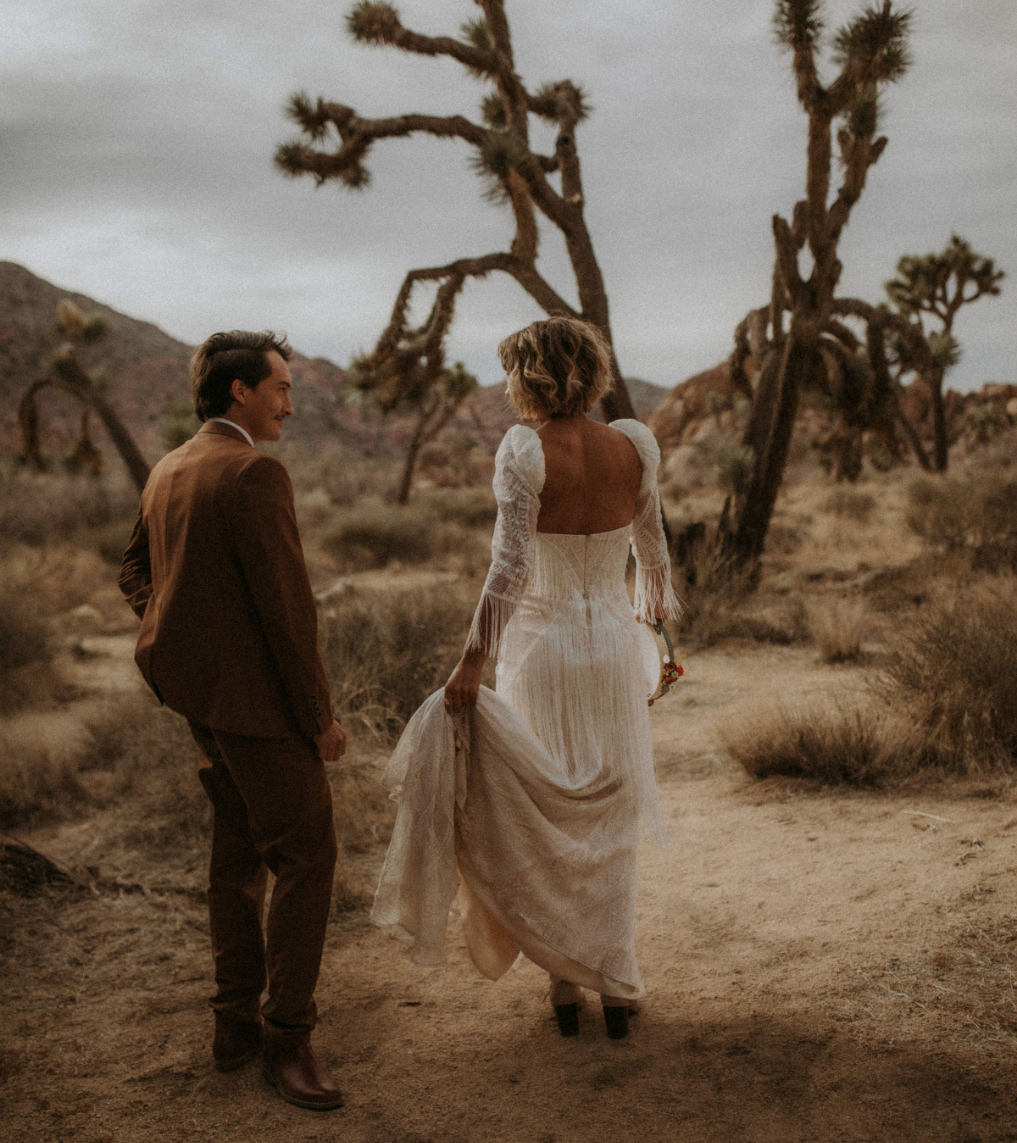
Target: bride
[{"x": 526, "y": 801}]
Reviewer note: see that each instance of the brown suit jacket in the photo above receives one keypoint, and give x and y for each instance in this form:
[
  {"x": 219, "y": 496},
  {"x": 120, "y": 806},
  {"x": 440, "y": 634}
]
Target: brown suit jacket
[{"x": 215, "y": 570}]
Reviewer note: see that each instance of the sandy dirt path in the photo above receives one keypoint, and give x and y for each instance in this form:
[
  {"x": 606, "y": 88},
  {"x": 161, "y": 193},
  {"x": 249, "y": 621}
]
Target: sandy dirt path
[{"x": 818, "y": 966}]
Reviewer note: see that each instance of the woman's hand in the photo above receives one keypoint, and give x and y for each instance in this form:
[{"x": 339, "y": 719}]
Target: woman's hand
[{"x": 463, "y": 684}]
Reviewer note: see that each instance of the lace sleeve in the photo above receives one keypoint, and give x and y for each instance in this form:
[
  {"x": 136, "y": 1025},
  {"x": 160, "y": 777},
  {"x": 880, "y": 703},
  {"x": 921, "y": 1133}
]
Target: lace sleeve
[
  {"x": 518, "y": 480},
  {"x": 654, "y": 594}
]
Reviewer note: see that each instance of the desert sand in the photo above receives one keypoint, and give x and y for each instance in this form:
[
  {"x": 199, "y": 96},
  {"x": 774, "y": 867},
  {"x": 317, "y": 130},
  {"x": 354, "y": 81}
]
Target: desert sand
[{"x": 819, "y": 966}]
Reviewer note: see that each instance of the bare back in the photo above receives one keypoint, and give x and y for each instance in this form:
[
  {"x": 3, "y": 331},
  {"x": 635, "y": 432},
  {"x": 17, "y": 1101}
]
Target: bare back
[{"x": 592, "y": 477}]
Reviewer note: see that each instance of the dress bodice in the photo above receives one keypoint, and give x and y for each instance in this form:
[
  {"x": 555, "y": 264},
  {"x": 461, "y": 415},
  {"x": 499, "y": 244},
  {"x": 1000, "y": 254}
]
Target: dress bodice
[
  {"x": 532, "y": 568},
  {"x": 569, "y": 567}
]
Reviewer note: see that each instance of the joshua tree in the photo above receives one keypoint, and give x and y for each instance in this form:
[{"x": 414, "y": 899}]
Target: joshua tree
[
  {"x": 898, "y": 345},
  {"x": 938, "y": 285},
  {"x": 67, "y": 373},
  {"x": 409, "y": 389},
  {"x": 336, "y": 140},
  {"x": 870, "y": 52}
]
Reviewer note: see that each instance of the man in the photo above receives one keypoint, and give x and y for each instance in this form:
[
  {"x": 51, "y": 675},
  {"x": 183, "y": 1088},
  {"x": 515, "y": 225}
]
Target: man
[{"x": 228, "y": 639}]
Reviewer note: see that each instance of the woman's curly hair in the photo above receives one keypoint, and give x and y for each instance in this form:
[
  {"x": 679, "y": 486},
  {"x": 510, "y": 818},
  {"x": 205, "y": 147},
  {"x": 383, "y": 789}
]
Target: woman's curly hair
[{"x": 556, "y": 368}]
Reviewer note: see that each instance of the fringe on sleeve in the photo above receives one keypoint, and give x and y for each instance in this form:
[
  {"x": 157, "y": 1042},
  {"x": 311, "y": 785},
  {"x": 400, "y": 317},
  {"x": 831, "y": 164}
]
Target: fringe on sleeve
[{"x": 516, "y": 489}]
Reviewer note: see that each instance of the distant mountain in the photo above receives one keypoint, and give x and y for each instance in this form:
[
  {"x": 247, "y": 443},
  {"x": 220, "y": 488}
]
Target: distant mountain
[
  {"x": 147, "y": 368},
  {"x": 147, "y": 371}
]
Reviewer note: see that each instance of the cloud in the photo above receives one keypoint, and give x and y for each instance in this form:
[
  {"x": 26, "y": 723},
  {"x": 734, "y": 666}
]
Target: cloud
[{"x": 138, "y": 138}]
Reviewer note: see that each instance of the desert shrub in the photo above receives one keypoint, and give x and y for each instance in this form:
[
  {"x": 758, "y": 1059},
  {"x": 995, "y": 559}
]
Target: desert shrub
[
  {"x": 25, "y": 648},
  {"x": 38, "y": 774},
  {"x": 142, "y": 756},
  {"x": 38, "y": 508},
  {"x": 110, "y": 541},
  {"x": 978, "y": 511},
  {"x": 734, "y": 468},
  {"x": 372, "y": 537},
  {"x": 944, "y": 703},
  {"x": 179, "y": 423},
  {"x": 24, "y": 638},
  {"x": 720, "y": 603},
  {"x": 376, "y": 535},
  {"x": 862, "y": 747},
  {"x": 851, "y": 503},
  {"x": 342, "y": 478},
  {"x": 784, "y": 539},
  {"x": 955, "y": 671},
  {"x": 469, "y": 507},
  {"x": 386, "y": 651},
  {"x": 838, "y": 630}
]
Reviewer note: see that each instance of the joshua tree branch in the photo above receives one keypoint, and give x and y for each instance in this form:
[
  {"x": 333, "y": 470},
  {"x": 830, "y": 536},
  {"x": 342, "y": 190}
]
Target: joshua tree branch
[{"x": 379, "y": 23}]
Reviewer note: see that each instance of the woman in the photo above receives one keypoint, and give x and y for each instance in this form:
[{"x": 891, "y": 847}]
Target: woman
[{"x": 542, "y": 785}]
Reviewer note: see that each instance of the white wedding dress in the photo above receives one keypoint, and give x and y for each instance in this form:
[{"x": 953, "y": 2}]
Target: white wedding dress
[{"x": 528, "y": 806}]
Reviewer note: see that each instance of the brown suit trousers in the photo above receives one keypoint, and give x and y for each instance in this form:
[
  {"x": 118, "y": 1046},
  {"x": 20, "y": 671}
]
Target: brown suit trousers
[
  {"x": 228, "y": 639},
  {"x": 272, "y": 810}
]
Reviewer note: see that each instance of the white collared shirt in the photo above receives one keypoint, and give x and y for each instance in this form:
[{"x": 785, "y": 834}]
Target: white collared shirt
[{"x": 234, "y": 425}]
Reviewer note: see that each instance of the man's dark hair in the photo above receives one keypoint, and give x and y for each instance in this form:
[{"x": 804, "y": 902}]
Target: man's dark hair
[{"x": 226, "y": 357}]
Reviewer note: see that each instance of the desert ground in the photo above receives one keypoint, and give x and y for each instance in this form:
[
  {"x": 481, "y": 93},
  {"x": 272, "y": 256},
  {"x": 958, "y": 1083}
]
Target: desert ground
[{"x": 824, "y": 960}]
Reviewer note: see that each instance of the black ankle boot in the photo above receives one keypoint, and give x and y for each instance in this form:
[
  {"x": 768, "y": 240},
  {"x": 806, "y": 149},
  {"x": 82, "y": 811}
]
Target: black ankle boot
[
  {"x": 567, "y": 1016},
  {"x": 617, "y": 1021}
]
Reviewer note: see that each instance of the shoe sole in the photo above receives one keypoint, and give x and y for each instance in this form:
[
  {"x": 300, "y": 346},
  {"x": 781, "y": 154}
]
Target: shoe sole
[{"x": 306, "y": 1104}]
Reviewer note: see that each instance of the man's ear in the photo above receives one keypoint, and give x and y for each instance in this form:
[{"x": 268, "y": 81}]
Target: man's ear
[{"x": 238, "y": 391}]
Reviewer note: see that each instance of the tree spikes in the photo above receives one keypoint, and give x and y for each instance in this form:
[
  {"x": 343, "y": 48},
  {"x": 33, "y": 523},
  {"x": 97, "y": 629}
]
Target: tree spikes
[
  {"x": 553, "y": 98},
  {"x": 372, "y": 22},
  {"x": 492, "y": 110},
  {"x": 797, "y": 23},
  {"x": 296, "y": 158},
  {"x": 313, "y": 118},
  {"x": 477, "y": 34},
  {"x": 500, "y": 153},
  {"x": 864, "y": 114},
  {"x": 877, "y": 41}
]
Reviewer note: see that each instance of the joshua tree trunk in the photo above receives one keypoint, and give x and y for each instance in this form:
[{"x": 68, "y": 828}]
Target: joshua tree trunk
[
  {"x": 870, "y": 51},
  {"x": 940, "y": 444},
  {"x": 69, "y": 376},
  {"x": 431, "y": 421},
  {"x": 800, "y": 360}
]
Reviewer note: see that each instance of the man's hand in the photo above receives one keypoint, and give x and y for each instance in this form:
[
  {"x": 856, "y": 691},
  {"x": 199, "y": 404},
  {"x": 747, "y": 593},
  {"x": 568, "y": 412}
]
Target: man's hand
[
  {"x": 331, "y": 743},
  {"x": 463, "y": 685}
]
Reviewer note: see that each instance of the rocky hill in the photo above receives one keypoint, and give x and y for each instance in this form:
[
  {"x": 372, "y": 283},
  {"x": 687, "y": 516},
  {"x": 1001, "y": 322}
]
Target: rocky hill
[
  {"x": 708, "y": 409},
  {"x": 147, "y": 373}
]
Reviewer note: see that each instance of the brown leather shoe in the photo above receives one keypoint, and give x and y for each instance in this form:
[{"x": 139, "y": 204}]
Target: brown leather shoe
[
  {"x": 235, "y": 1042},
  {"x": 298, "y": 1076}
]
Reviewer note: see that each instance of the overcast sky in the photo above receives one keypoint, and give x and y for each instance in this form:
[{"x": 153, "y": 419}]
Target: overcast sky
[{"x": 137, "y": 143}]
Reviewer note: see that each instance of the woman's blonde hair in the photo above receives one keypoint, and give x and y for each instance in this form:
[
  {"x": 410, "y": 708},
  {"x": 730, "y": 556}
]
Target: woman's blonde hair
[{"x": 556, "y": 368}]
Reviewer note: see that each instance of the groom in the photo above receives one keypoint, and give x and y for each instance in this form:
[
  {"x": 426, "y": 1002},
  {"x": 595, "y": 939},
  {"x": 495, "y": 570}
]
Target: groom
[{"x": 228, "y": 639}]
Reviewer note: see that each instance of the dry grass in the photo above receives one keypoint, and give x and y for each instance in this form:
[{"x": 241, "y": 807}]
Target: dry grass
[
  {"x": 976, "y": 511},
  {"x": 945, "y": 702},
  {"x": 971, "y": 978},
  {"x": 386, "y": 651},
  {"x": 838, "y": 628},
  {"x": 39, "y": 590},
  {"x": 723, "y": 604},
  {"x": 25, "y": 651},
  {"x": 866, "y": 746},
  {"x": 955, "y": 671},
  {"x": 39, "y": 508},
  {"x": 451, "y": 530},
  {"x": 39, "y": 774},
  {"x": 851, "y": 503}
]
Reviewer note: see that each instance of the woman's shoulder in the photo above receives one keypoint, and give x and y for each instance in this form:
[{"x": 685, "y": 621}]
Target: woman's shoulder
[
  {"x": 644, "y": 440},
  {"x": 521, "y": 450}
]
